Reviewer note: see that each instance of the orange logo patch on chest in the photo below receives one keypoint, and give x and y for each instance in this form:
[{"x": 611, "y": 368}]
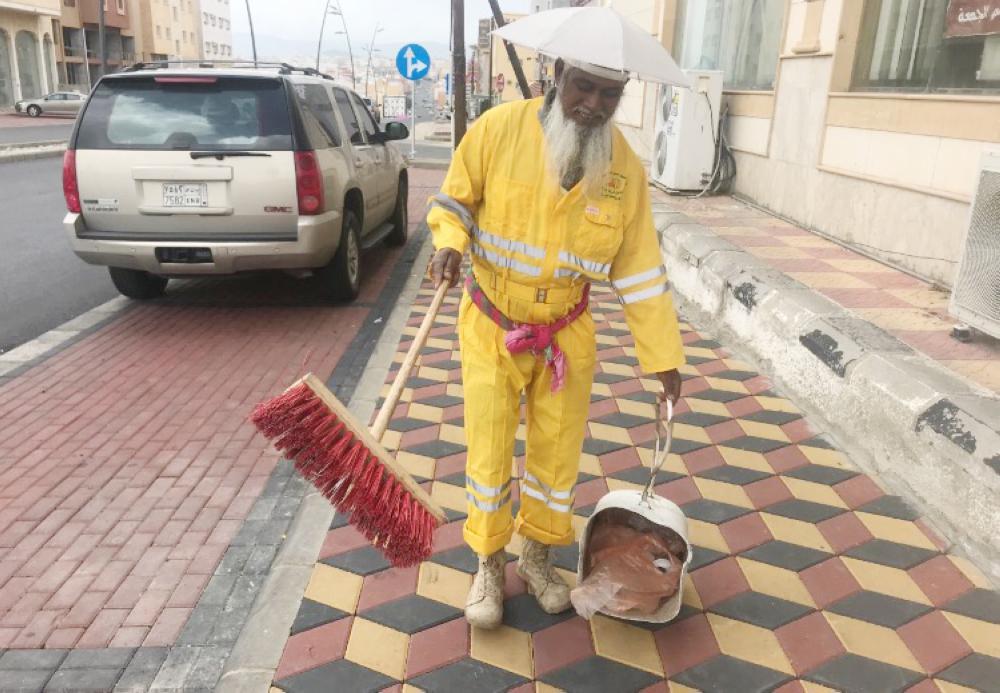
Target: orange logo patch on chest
[{"x": 614, "y": 186}]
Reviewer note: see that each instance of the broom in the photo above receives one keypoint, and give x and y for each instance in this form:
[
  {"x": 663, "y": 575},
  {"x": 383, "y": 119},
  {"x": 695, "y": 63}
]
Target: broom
[{"x": 349, "y": 466}]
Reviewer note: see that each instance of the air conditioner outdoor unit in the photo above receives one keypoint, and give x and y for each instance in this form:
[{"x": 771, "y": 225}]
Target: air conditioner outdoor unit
[
  {"x": 975, "y": 299},
  {"x": 687, "y": 126}
]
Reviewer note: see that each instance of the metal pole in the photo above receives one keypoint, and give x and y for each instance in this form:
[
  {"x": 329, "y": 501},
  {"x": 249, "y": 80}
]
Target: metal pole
[
  {"x": 413, "y": 120},
  {"x": 322, "y": 26},
  {"x": 515, "y": 62},
  {"x": 253, "y": 40},
  {"x": 458, "y": 68},
  {"x": 100, "y": 37},
  {"x": 343, "y": 21}
]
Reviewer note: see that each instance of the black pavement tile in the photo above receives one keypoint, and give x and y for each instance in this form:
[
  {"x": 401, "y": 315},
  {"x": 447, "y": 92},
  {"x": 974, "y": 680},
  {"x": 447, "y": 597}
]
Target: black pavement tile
[
  {"x": 817, "y": 441},
  {"x": 585, "y": 511},
  {"x": 411, "y": 614},
  {"x": 713, "y": 395},
  {"x": 594, "y": 397},
  {"x": 449, "y": 365},
  {"x": 704, "y": 344},
  {"x": 890, "y": 506},
  {"x": 686, "y": 612},
  {"x": 640, "y": 475},
  {"x": 441, "y": 401},
  {"x": 880, "y": 609},
  {"x": 678, "y": 446},
  {"x": 734, "y": 375},
  {"x": 754, "y": 444},
  {"x": 642, "y": 396},
  {"x": 583, "y": 477},
  {"x": 462, "y": 558},
  {"x": 142, "y": 669},
  {"x": 610, "y": 378},
  {"x": 599, "y": 675},
  {"x": 25, "y": 680},
  {"x": 778, "y": 418},
  {"x": 702, "y": 556},
  {"x": 713, "y": 511},
  {"x": 697, "y": 360},
  {"x": 458, "y": 677},
  {"x": 107, "y": 658},
  {"x": 891, "y": 554},
  {"x": 822, "y": 474},
  {"x": 594, "y": 446},
  {"x": 977, "y": 671},
  {"x": 407, "y": 424},
  {"x": 761, "y": 610},
  {"x": 435, "y": 449},
  {"x": 77, "y": 680},
  {"x": 786, "y": 555},
  {"x": 853, "y": 673},
  {"x": 339, "y": 520},
  {"x": 453, "y": 515},
  {"x": 341, "y": 675},
  {"x": 456, "y": 479},
  {"x": 702, "y": 420},
  {"x": 520, "y": 447},
  {"x": 32, "y": 659},
  {"x": 615, "y": 332},
  {"x": 427, "y": 350},
  {"x": 807, "y": 511},
  {"x": 312, "y": 614},
  {"x": 624, "y": 360},
  {"x": 979, "y": 603},
  {"x": 416, "y": 383},
  {"x": 621, "y": 420},
  {"x": 363, "y": 561},
  {"x": 566, "y": 557},
  {"x": 731, "y": 474},
  {"x": 522, "y": 612},
  {"x": 725, "y": 674}
]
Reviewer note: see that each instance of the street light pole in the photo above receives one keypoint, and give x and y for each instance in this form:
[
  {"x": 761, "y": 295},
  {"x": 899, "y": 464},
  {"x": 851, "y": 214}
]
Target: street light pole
[
  {"x": 458, "y": 68},
  {"x": 100, "y": 38},
  {"x": 371, "y": 47},
  {"x": 322, "y": 27},
  {"x": 253, "y": 40}
]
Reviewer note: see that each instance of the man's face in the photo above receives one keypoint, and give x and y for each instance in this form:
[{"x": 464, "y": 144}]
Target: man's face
[{"x": 586, "y": 99}]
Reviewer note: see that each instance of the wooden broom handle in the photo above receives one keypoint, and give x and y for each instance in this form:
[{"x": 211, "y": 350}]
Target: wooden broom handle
[{"x": 396, "y": 391}]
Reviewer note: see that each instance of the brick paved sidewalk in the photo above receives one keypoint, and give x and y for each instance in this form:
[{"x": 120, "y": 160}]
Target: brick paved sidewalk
[
  {"x": 910, "y": 309},
  {"x": 130, "y": 478},
  {"x": 806, "y": 575}
]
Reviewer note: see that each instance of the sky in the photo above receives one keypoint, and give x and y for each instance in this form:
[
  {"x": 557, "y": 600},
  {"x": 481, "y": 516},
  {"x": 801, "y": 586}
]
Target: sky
[{"x": 404, "y": 21}]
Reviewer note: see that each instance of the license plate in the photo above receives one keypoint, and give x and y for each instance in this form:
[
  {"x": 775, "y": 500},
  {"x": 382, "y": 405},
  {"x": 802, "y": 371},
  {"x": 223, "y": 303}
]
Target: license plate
[{"x": 185, "y": 195}]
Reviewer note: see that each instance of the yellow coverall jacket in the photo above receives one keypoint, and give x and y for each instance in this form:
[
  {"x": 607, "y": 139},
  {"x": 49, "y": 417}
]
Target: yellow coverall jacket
[{"x": 533, "y": 247}]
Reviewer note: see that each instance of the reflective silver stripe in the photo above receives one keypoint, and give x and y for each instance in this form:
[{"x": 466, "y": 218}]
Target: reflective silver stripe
[
  {"x": 488, "y": 491},
  {"x": 589, "y": 265},
  {"x": 566, "y": 272},
  {"x": 650, "y": 292},
  {"x": 453, "y": 205},
  {"x": 537, "y": 495},
  {"x": 513, "y": 246},
  {"x": 632, "y": 280},
  {"x": 487, "y": 507},
  {"x": 561, "y": 495},
  {"x": 509, "y": 263}
]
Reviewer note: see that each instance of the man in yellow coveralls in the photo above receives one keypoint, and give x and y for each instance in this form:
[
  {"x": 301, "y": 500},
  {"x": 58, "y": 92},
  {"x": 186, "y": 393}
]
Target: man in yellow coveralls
[{"x": 547, "y": 196}]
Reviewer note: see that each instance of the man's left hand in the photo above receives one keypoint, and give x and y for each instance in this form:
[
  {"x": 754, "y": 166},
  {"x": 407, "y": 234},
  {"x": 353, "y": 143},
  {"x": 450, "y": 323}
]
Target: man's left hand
[{"x": 671, "y": 381}]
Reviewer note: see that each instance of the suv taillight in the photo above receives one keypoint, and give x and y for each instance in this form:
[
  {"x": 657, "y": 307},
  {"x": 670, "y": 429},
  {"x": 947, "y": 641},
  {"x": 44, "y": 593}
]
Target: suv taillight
[
  {"x": 71, "y": 190},
  {"x": 308, "y": 183}
]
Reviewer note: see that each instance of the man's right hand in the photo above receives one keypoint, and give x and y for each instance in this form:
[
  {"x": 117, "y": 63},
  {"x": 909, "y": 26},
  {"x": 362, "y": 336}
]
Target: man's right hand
[{"x": 446, "y": 266}]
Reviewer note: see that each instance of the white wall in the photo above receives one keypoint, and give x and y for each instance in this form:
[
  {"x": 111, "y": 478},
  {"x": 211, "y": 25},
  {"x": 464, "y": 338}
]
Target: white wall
[{"x": 221, "y": 34}]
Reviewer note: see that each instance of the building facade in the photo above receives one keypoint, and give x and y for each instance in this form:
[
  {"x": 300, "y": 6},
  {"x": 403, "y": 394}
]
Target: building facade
[
  {"x": 216, "y": 30},
  {"x": 167, "y": 29},
  {"x": 28, "y": 35},
  {"x": 78, "y": 47}
]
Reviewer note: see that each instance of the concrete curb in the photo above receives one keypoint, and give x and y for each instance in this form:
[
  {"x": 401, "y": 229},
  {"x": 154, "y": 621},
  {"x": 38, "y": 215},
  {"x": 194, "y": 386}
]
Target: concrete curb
[
  {"x": 928, "y": 433},
  {"x": 257, "y": 653},
  {"x": 30, "y": 152},
  {"x": 438, "y": 164}
]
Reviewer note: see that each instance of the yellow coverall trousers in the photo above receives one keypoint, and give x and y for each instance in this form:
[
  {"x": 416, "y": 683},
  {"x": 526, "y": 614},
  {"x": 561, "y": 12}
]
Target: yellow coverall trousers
[{"x": 493, "y": 382}]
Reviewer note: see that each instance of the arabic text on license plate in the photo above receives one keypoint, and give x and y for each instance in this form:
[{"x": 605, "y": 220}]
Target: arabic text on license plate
[{"x": 185, "y": 195}]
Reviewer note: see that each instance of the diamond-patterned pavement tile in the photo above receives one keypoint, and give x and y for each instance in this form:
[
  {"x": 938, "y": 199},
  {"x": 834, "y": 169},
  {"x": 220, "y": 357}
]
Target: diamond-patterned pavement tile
[
  {"x": 713, "y": 511},
  {"x": 853, "y": 673},
  {"x": 339, "y": 520},
  {"x": 724, "y": 674},
  {"x": 599, "y": 675},
  {"x": 979, "y": 603},
  {"x": 640, "y": 475},
  {"x": 714, "y": 395},
  {"x": 820, "y": 474},
  {"x": 341, "y": 675},
  {"x": 523, "y": 613},
  {"x": 731, "y": 474},
  {"x": 566, "y": 557},
  {"x": 891, "y": 554},
  {"x": 786, "y": 555},
  {"x": 807, "y": 511},
  {"x": 735, "y": 375},
  {"x": 456, "y": 677},
  {"x": 977, "y": 671},
  {"x": 363, "y": 561},
  {"x": 891, "y": 506},
  {"x": 462, "y": 558},
  {"x": 412, "y": 614},
  {"x": 678, "y": 446},
  {"x": 701, "y": 556},
  {"x": 594, "y": 446},
  {"x": 442, "y": 401},
  {"x": 755, "y": 444},
  {"x": 621, "y": 420},
  {"x": 704, "y": 344},
  {"x": 436, "y": 449},
  {"x": 778, "y": 418},
  {"x": 406, "y": 424},
  {"x": 880, "y": 609},
  {"x": 312, "y": 614},
  {"x": 700, "y": 419},
  {"x": 761, "y": 610}
]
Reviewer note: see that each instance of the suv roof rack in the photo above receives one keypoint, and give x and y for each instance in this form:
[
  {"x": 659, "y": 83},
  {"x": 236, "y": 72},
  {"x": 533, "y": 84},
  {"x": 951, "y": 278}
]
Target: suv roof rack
[{"x": 283, "y": 68}]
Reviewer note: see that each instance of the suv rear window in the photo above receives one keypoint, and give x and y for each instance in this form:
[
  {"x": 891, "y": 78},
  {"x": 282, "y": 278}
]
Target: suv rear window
[{"x": 225, "y": 113}]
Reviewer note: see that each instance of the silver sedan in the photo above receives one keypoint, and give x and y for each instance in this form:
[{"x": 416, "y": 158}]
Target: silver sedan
[{"x": 56, "y": 103}]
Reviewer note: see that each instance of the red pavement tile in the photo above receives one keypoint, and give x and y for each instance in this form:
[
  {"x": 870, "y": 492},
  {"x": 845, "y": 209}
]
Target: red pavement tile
[
  {"x": 934, "y": 642},
  {"x": 560, "y": 645},
  {"x": 940, "y": 580},
  {"x": 129, "y": 637},
  {"x": 809, "y": 642},
  {"x": 719, "y": 581},
  {"x": 786, "y": 459},
  {"x": 767, "y": 492},
  {"x": 858, "y": 491},
  {"x": 925, "y": 686},
  {"x": 843, "y": 532},
  {"x": 936, "y": 539},
  {"x": 387, "y": 585},
  {"x": 798, "y": 430},
  {"x": 64, "y": 638},
  {"x": 167, "y": 627},
  {"x": 37, "y": 630},
  {"x": 864, "y": 298},
  {"x": 703, "y": 459},
  {"x": 791, "y": 687},
  {"x": 680, "y": 491},
  {"x": 448, "y": 537},
  {"x": 745, "y": 532},
  {"x": 103, "y": 628},
  {"x": 744, "y": 406},
  {"x": 437, "y": 647},
  {"x": 829, "y": 581},
  {"x": 590, "y": 492},
  {"x": 685, "y": 644},
  {"x": 721, "y": 432},
  {"x": 70, "y": 592},
  {"x": 147, "y": 608},
  {"x": 626, "y": 458},
  {"x": 314, "y": 647},
  {"x": 513, "y": 584},
  {"x": 188, "y": 590}
]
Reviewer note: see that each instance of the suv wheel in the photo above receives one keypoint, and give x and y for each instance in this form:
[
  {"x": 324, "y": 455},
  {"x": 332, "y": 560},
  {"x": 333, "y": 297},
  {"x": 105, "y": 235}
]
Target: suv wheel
[
  {"x": 398, "y": 220},
  {"x": 136, "y": 283},
  {"x": 341, "y": 278},
  {"x": 34, "y": 111}
]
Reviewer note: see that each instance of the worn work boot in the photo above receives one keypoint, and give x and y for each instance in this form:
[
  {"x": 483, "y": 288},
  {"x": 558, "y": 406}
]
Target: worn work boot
[
  {"x": 544, "y": 582},
  {"x": 484, "y": 607}
]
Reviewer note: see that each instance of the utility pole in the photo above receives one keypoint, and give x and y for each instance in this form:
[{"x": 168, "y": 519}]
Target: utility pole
[
  {"x": 100, "y": 38},
  {"x": 458, "y": 119},
  {"x": 515, "y": 62},
  {"x": 253, "y": 41}
]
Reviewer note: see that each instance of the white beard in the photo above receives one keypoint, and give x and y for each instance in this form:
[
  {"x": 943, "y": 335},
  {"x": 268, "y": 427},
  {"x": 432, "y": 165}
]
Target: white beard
[{"x": 572, "y": 148}]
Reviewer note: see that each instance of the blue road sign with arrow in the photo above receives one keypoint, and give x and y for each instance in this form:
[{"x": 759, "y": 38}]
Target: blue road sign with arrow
[{"x": 413, "y": 61}]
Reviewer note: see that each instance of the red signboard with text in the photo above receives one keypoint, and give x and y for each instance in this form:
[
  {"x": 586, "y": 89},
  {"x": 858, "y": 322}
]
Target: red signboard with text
[{"x": 972, "y": 18}]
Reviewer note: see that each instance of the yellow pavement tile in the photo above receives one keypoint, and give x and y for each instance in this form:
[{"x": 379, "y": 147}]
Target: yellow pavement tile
[
  {"x": 626, "y": 644},
  {"x": 706, "y": 406},
  {"x": 452, "y": 434},
  {"x": 871, "y": 641},
  {"x": 614, "y": 434},
  {"x": 416, "y": 464},
  {"x": 903, "y": 318},
  {"x": 779, "y": 252},
  {"x": 618, "y": 368},
  {"x": 746, "y": 459},
  {"x": 446, "y": 319},
  {"x": 749, "y": 643},
  {"x": 438, "y": 374},
  {"x": 391, "y": 439},
  {"x": 948, "y": 687},
  {"x": 688, "y": 369},
  {"x": 674, "y": 687},
  {"x": 334, "y": 587},
  {"x": 922, "y": 298},
  {"x": 601, "y": 389},
  {"x": 616, "y": 324},
  {"x": 982, "y": 636},
  {"x": 443, "y": 584},
  {"x": 693, "y": 433},
  {"x": 796, "y": 532},
  {"x": 808, "y": 242},
  {"x": 455, "y": 389},
  {"x": 860, "y": 265},
  {"x": 590, "y": 464},
  {"x": 410, "y": 688},
  {"x": 607, "y": 339},
  {"x": 827, "y": 458},
  {"x": 829, "y": 280},
  {"x": 723, "y": 493},
  {"x": 568, "y": 575},
  {"x": 741, "y": 231},
  {"x": 424, "y": 412},
  {"x": 970, "y": 571},
  {"x": 706, "y": 534},
  {"x": 727, "y": 385},
  {"x": 700, "y": 351},
  {"x": 630, "y": 351},
  {"x": 449, "y": 496},
  {"x": 817, "y": 493},
  {"x": 763, "y": 430},
  {"x": 546, "y": 688},
  {"x": 690, "y": 595},
  {"x": 505, "y": 647},
  {"x": 893, "y": 529},
  {"x": 775, "y": 582},
  {"x": 438, "y": 343},
  {"x": 579, "y": 525},
  {"x": 622, "y": 485},
  {"x": 673, "y": 463},
  {"x": 885, "y": 580},
  {"x": 810, "y": 687},
  {"x": 777, "y": 404},
  {"x": 630, "y": 406},
  {"x": 379, "y": 648},
  {"x": 737, "y": 365}
]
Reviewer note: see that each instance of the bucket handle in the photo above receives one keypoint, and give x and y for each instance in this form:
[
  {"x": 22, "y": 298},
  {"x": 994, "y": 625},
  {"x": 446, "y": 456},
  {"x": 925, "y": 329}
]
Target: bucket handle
[{"x": 664, "y": 438}]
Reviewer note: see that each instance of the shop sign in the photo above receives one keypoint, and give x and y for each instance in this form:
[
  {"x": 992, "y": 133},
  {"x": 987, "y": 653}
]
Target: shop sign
[{"x": 972, "y": 18}]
